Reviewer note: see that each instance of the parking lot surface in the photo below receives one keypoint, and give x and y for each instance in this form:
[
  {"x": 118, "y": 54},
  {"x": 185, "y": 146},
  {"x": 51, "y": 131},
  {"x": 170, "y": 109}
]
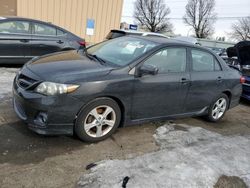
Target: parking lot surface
[{"x": 31, "y": 160}]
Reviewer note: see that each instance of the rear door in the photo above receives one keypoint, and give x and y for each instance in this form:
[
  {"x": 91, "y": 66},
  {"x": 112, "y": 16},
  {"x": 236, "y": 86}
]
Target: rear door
[
  {"x": 45, "y": 39},
  {"x": 163, "y": 94},
  {"x": 15, "y": 36},
  {"x": 206, "y": 80}
]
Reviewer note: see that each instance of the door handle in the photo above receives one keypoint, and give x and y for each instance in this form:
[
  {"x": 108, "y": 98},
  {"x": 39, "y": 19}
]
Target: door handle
[
  {"x": 219, "y": 79},
  {"x": 24, "y": 40},
  {"x": 184, "y": 80},
  {"x": 60, "y": 42}
]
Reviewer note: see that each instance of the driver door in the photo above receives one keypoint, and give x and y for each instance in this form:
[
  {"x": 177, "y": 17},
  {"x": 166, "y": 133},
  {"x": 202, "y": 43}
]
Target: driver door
[{"x": 162, "y": 94}]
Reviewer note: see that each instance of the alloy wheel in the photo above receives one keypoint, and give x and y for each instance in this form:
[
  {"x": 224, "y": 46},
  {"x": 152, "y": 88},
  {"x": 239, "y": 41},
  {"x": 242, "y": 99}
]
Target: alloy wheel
[
  {"x": 219, "y": 108},
  {"x": 99, "y": 121}
]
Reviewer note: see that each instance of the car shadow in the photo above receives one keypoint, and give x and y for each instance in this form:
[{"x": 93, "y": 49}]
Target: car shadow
[
  {"x": 19, "y": 145},
  {"x": 11, "y": 65},
  {"x": 245, "y": 102}
]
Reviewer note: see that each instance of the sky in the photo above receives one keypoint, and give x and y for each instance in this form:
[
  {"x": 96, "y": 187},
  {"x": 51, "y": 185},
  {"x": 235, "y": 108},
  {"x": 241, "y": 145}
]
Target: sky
[{"x": 228, "y": 11}]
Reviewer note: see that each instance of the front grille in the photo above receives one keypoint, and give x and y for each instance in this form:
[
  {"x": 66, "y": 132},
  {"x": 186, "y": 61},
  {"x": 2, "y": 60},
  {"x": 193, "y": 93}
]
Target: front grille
[
  {"x": 25, "y": 82},
  {"x": 19, "y": 110}
]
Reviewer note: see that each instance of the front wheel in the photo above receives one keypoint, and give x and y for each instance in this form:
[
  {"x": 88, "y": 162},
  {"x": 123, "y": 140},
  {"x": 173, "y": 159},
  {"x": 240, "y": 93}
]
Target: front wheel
[
  {"x": 98, "y": 120},
  {"x": 218, "y": 108}
]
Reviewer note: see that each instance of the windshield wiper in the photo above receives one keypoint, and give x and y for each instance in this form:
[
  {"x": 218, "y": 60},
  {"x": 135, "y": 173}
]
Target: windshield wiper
[{"x": 93, "y": 56}]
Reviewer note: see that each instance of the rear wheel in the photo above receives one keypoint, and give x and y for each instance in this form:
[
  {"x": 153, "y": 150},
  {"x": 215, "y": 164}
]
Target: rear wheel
[
  {"x": 98, "y": 120},
  {"x": 218, "y": 108}
]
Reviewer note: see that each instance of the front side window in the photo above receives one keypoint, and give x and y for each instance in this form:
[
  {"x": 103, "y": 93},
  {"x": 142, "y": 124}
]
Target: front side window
[
  {"x": 204, "y": 61},
  {"x": 121, "y": 51},
  {"x": 14, "y": 27},
  {"x": 169, "y": 60},
  {"x": 41, "y": 29}
]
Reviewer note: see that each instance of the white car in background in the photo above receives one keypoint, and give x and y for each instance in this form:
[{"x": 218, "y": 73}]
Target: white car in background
[
  {"x": 115, "y": 33},
  {"x": 191, "y": 40}
]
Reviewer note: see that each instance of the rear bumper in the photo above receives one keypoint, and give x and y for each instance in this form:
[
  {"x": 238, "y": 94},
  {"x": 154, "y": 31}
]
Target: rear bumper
[{"x": 47, "y": 115}]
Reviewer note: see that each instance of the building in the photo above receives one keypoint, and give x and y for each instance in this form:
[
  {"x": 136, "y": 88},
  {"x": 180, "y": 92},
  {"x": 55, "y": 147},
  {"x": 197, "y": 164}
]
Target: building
[{"x": 90, "y": 19}]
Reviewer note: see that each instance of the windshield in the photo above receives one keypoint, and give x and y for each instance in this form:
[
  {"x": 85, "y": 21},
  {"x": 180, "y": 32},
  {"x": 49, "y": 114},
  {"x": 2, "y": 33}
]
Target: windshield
[{"x": 121, "y": 51}]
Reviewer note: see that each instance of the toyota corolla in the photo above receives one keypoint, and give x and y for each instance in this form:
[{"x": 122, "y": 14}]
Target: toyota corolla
[{"x": 127, "y": 80}]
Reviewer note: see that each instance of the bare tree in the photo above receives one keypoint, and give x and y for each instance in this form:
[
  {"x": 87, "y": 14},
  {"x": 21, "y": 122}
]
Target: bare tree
[
  {"x": 152, "y": 15},
  {"x": 201, "y": 17},
  {"x": 241, "y": 29}
]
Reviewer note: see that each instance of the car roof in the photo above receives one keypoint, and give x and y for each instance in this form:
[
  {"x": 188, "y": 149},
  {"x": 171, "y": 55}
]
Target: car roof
[
  {"x": 138, "y": 32},
  {"x": 17, "y": 18},
  {"x": 171, "y": 41},
  {"x": 29, "y": 20}
]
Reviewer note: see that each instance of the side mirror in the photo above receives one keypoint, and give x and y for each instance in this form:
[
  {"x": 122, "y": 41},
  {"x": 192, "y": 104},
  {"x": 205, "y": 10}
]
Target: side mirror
[{"x": 147, "y": 69}]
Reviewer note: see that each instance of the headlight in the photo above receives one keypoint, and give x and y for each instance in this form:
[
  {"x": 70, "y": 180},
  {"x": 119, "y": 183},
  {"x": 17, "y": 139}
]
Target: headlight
[{"x": 50, "y": 88}]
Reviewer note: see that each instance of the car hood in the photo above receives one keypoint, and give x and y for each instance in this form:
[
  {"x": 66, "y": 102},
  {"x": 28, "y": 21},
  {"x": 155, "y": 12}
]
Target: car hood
[
  {"x": 66, "y": 67},
  {"x": 242, "y": 51}
]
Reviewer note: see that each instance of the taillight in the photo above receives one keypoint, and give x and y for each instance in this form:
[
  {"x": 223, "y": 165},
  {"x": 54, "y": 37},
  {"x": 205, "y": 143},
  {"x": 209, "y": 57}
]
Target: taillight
[
  {"x": 82, "y": 43},
  {"x": 242, "y": 79}
]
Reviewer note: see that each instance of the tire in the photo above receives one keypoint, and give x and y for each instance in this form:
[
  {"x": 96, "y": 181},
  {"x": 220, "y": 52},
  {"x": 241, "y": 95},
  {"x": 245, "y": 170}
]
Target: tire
[
  {"x": 221, "y": 103},
  {"x": 98, "y": 120}
]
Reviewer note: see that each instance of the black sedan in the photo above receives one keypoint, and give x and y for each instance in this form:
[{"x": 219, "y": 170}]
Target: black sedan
[
  {"x": 127, "y": 80},
  {"x": 22, "y": 39}
]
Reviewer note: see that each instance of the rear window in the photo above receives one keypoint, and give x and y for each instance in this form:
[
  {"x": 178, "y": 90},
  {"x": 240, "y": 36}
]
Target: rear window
[{"x": 113, "y": 35}]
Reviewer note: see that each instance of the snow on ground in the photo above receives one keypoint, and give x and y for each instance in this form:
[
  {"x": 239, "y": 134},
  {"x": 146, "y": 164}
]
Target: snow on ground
[
  {"x": 7, "y": 76},
  {"x": 188, "y": 157}
]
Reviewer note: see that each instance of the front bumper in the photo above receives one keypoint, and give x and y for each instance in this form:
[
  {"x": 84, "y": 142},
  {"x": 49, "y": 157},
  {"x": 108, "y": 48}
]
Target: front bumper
[{"x": 48, "y": 115}]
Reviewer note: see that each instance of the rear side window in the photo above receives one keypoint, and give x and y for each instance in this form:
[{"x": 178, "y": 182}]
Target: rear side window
[
  {"x": 41, "y": 29},
  {"x": 14, "y": 27},
  {"x": 204, "y": 61},
  {"x": 217, "y": 66},
  {"x": 169, "y": 60},
  {"x": 59, "y": 32}
]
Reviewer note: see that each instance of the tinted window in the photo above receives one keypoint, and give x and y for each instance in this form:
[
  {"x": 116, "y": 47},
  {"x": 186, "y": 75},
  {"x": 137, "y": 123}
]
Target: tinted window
[
  {"x": 204, "y": 61},
  {"x": 169, "y": 60},
  {"x": 18, "y": 27},
  {"x": 40, "y": 29},
  {"x": 122, "y": 50},
  {"x": 60, "y": 32},
  {"x": 217, "y": 66}
]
